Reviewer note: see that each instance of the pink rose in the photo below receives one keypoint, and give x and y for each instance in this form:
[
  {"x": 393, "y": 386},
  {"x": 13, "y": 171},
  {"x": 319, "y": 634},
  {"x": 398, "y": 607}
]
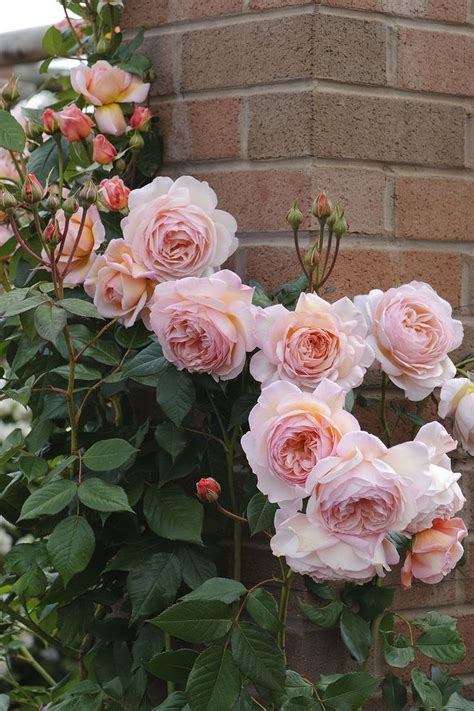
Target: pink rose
[
  {"x": 205, "y": 325},
  {"x": 435, "y": 552},
  {"x": 114, "y": 193},
  {"x": 175, "y": 229},
  {"x": 365, "y": 489},
  {"x": 412, "y": 331},
  {"x": 5, "y": 233},
  {"x": 118, "y": 285},
  {"x": 84, "y": 252},
  {"x": 74, "y": 124},
  {"x": 49, "y": 121},
  {"x": 8, "y": 170},
  {"x": 310, "y": 549},
  {"x": 290, "y": 432},
  {"x": 103, "y": 150},
  {"x": 318, "y": 340},
  {"x": 141, "y": 118},
  {"x": 457, "y": 400}
]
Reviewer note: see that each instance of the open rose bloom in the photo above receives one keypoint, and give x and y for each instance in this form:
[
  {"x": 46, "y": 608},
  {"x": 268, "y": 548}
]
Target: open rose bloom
[
  {"x": 434, "y": 552},
  {"x": 457, "y": 400}
]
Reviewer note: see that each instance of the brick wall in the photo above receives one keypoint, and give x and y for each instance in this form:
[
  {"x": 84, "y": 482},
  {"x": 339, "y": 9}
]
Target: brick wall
[{"x": 372, "y": 100}]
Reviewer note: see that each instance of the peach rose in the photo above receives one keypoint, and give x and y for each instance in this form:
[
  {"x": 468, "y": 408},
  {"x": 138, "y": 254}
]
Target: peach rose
[
  {"x": 290, "y": 432},
  {"x": 412, "y": 331},
  {"x": 84, "y": 253},
  {"x": 114, "y": 193},
  {"x": 434, "y": 552},
  {"x": 205, "y": 325},
  {"x": 118, "y": 285},
  {"x": 175, "y": 229},
  {"x": 73, "y": 123},
  {"x": 318, "y": 340},
  {"x": 457, "y": 400},
  {"x": 7, "y": 166},
  {"x": 310, "y": 549},
  {"x": 141, "y": 118},
  {"x": 103, "y": 150}
]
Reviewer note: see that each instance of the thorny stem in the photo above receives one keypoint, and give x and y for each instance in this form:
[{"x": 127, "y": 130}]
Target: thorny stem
[
  {"x": 63, "y": 238},
  {"x": 22, "y": 242},
  {"x": 18, "y": 167},
  {"x": 73, "y": 29},
  {"x": 94, "y": 339},
  {"x": 60, "y": 166},
  {"x": 300, "y": 256},
  {"x": 318, "y": 266},
  {"x": 170, "y": 686},
  {"x": 229, "y": 514},
  {"x": 76, "y": 243},
  {"x": 283, "y": 610},
  {"x": 4, "y": 280},
  {"x": 333, "y": 263},
  {"x": 29, "y": 658}
]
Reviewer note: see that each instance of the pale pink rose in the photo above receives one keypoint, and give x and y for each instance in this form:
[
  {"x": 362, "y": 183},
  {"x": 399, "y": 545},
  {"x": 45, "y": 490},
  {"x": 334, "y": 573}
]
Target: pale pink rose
[
  {"x": 103, "y": 150},
  {"x": 104, "y": 84},
  {"x": 118, "y": 285},
  {"x": 110, "y": 119},
  {"x": 175, "y": 229},
  {"x": 444, "y": 497},
  {"x": 435, "y": 552},
  {"x": 457, "y": 400},
  {"x": 74, "y": 124},
  {"x": 318, "y": 340},
  {"x": 290, "y": 432},
  {"x": 205, "y": 325},
  {"x": 84, "y": 253},
  {"x": 114, "y": 193},
  {"x": 412, "y": 331},
  {"x": 365, "y": 489},
  {"x": 7, "y": 166},
  {"x": 310, "y": 549}
]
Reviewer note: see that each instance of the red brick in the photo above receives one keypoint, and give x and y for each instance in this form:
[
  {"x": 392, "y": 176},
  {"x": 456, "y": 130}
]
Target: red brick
[
  {"x": 447, "y": 10},
  {"x": 434, "y": 208},
  {"x": 419, "y": 67},
  {"x": 248, "y": 53},
  {"x": 350, "y": 50},
  {"x": 152, "y": 13},
  {"x": 388, "y": 129},
  {"x": 280, "y": 125},
  {"x": 200, "y": 130},
  {"x": 260, "y": 200}
]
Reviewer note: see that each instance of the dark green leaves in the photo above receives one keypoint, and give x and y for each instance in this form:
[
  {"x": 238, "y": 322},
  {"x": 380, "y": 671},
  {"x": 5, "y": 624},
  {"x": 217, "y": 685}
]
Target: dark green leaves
[
  {"x": 325, "y": 616},
  {"x": 443, "y": 644},
  {"x": 258, "y": 656},
  {"x": 355, "y": 633},
  {"x": 12, "y": 136},
  {"x": 108, "y": 454},
  {"x": 195, "y": 620},
  {"x": 223, "y": 589},
  {"x": 394, "y": 693},
  {"x": 172, "y": 666},
  {"x": 214, "y": 682},
  {"x": 172, "y": 514},
  {"x": 49, "y": 500},
  {"x": 175, "y": 394},
  {"x": 80, "y": 307},
  {"x": 50, "y": 321},
  {"x": 425, "y": 690},
  {"x": 349, "y": 691},
  {"x": 70, "y": 546},
  {"x": 260, "y": 513},
  {"x": 102, "y": 496},
  {"x": 53, "y": 42},
  {"x": 153, "y": 585},
  {"x": 262, "y": 608},
  {"x": 171, "y": 439}
]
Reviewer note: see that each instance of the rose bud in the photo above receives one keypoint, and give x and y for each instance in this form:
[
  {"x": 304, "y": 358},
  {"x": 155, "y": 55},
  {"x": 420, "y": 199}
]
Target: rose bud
[
  {"x": 136, "y": 141},
  {"x": 141, "y": 118},
  {"x": 340, "y": 224},
  {"x": 52, "y": 234},
  {"x": 104, "y": 152},
  {"x": 50, "y": 124},
  {"x": 74, "y": 124},
  {"x": 52, "y": 203},
  {"x": 7, "y": 201},
  {"x": 208, "y": 490},
  {"x": 322, "y": 208},
  {"x": 87, "y": 195},
  {"x": 10, "y": 93},
  {"x": 295, "y": 217},
  {"x": 33, "y": 131},
  {"x": 32, "y": 190},
  {"x": 114, "y": 193},
  {"x": 70, "y": 206}
]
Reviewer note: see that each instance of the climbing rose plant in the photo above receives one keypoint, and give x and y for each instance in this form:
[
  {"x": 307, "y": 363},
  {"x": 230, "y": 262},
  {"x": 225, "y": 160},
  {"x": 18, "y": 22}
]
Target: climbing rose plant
[{"x": 176, "y": 412}]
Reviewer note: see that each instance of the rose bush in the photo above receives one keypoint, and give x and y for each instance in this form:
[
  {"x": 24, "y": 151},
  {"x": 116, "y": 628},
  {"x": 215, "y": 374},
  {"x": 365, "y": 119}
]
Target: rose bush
[{"x": 165, "y": 413}]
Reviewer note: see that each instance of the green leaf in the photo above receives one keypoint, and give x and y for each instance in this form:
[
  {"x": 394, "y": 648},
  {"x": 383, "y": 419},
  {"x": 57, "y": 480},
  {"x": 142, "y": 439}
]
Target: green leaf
[
  {"x": 53, "y": 42},
  {"x": 321, "y": 590},
  {"x": 175, "y": 394},
  {"x": 195, "y": 620},
  {"x": 102, "y": 496},
  {"x": 241, "y": 409},
  {"x": 214, "y": 682},
  {"x": 108, "y": 454},
  {"x": 49, "y": 500},
  {"x": 263, "y": 609},
  {"x": 258, "y": 656},
  {"x": 172, "y": 514},
  {"x": 80, "y": 307},
  {"x": 398, "y": 652},
  {"x": 49, "y": 321},
  {"x": 349, "y": 691},
  {"x": 71, "y": 546},
  {"x": 196, "y": 565},
  {"x": 435, "y": 619},
  {"x": 11, "y": 445},
  {"x": 260, "y": 513},
  {"x": 394, "y": 693},
  {"x": 447, "y": 684},
  {"x": 443, "y": 644},
  {"x": 43, "y": 161},
  {"x": 175, "y": 702},
  {"x": 12, "y": 136},
  {"x": 325, "y": 616},
  {"x": 223, "y": 589},
  {"x": 33, "y": 583},
  {"x": 33, "y": 467},
  {"x": 457, "y": 703},
  {"x": 172, "y": 666},
  {"x": 153, "y": 585},
  {"x": 81, "y": 372},
  {"x": 171, "y": 439},
  {"x": 425, "y": 690},
  {"x": 355, "y": 633},
  {"x": 149, "y": 361},
  {"x": 151, "y": 157},
  {"x": 296, "y": 686}
]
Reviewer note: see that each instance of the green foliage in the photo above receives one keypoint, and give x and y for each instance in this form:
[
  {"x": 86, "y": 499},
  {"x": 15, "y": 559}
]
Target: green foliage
[{"x": 12, "y": 136}]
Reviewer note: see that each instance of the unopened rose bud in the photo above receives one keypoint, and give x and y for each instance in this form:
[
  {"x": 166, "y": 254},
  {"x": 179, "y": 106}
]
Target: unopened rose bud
[
  {"x": 141, "y": 118},
  {"x": 322, "y": 208},
  {"x": 150, "y": 75},
  {"x": 312, "y": 258},
  {"x": 136, "y": 141},
  {"x": 52, "y": 234},
  {"x": 33, "y": 131},
  {"x": 32, "y": 190},
  {"x": 87, "y": 195},
  {"x": 208, "y": 490},
  {"x": 7, "y": 201},
  {"x": 120, "y": 166},
  {"x": 52, "y": 203},
  {"x": 103, "y": 150},
  {"x": 340, "y": 224},
  {"x": 70, "y": 206},
  {"x": 10, "y": 93},
  {"x": 295, "y": 217},
  {"x": 48, "y": 119}
]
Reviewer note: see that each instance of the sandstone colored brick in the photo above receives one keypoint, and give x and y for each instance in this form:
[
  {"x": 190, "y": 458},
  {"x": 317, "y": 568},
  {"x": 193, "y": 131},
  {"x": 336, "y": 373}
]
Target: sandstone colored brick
[
  {"x": 434, "y": 208},
  {"x": 280, "y": 125},
  {"x": 388, "y": 129},
  {"x": 418, "y": 64},
  {"x": 350, "y": 50},
  {"x": 163, "y": 50},
  {"x": 200, "y": 130},
  {"x": 248, "y": 53},
  {"x": 271, "y": 4},
  {"x": 152, "y": 13},
  {"x": 260, "y": 200},
  {"x": 445, "y": 10}
]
